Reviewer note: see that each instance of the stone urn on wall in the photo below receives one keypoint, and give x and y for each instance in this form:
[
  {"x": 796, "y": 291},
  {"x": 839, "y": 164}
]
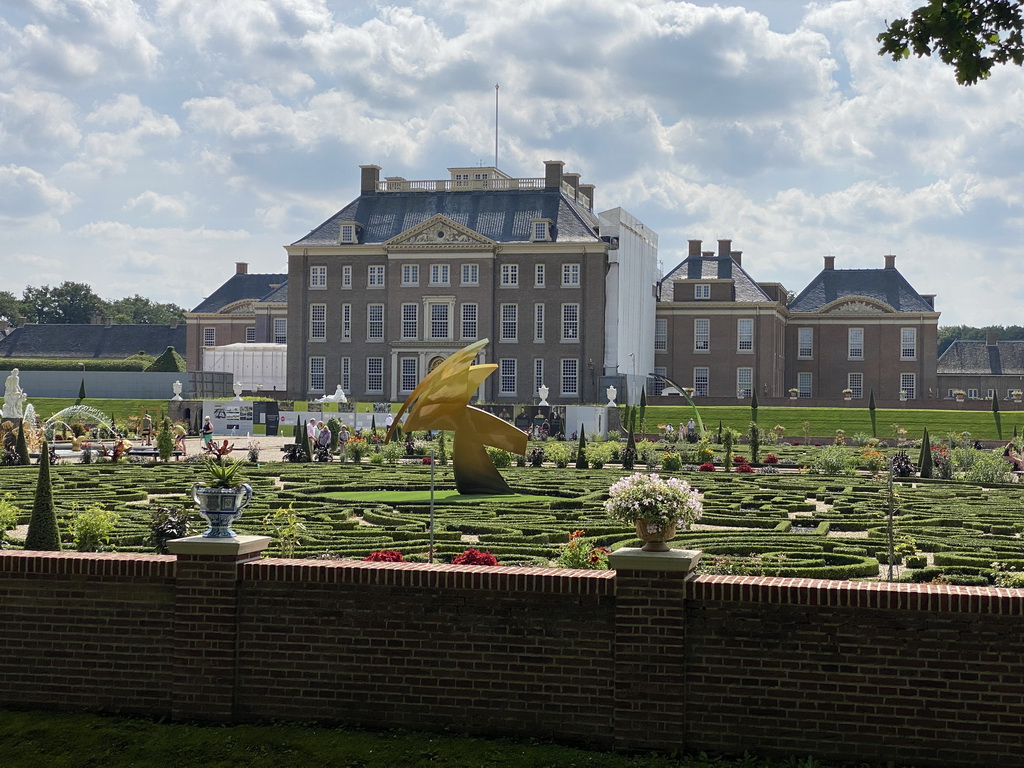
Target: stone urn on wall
[
  {"x": 223, "y": 499},
  {"x": 655, "y": 506}
]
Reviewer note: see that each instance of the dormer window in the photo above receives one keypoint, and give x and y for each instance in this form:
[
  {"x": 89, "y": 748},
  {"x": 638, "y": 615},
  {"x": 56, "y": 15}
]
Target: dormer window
[
  {"x": 702, "y": 291},
  {"x": 347, "y": 233},
  {"x": 540, "y": 230}
]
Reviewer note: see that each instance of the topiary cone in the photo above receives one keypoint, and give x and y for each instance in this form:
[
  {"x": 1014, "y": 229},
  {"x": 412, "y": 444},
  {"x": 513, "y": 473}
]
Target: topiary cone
[{"x": 43, "y": 534}]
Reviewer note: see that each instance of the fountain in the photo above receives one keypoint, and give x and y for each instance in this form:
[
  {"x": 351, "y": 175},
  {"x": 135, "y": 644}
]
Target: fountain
[{"x": 77, "y": 414}]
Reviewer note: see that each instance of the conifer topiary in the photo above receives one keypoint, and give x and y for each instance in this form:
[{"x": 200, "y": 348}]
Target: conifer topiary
[
  {"x": 168, "y": 362},
  {"x": 22, "y": 446},
  {"x": 43, "y": 534},
  {"x": 581, "y": 451}
]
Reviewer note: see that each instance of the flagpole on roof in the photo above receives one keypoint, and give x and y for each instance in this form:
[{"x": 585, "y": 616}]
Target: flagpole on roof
[{"x": 496, "y": 86}]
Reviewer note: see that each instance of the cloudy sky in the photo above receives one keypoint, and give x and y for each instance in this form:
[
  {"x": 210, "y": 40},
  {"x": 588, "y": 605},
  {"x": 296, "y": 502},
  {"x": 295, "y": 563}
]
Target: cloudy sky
[{"x": 147, "y": 146}]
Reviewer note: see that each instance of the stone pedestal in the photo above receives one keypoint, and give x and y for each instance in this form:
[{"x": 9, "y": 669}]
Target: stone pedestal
[
  {"x": 205, "y": 627},
  {"x": 650, "y": 669}
]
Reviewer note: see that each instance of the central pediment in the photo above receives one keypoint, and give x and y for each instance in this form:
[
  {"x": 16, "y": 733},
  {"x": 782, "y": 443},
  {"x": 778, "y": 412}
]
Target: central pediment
[
  {"x": 438, "y": 232},
  {"x": 861, "y": 305}
]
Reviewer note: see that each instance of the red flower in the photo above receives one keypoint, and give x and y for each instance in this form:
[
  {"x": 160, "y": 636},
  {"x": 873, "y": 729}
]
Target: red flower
[
  {"x": 771, "y": 458},
  {"x": 427, "y": 460},
  {"x": 744, "y": 468},
  {"x": 706, "y": 467},
  {"x": 475, "y": 557},
  {"x": 385, "y": 556}
]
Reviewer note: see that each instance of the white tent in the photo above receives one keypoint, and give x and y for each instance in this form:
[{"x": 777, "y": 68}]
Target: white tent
[{"x": 259, "y": 367}]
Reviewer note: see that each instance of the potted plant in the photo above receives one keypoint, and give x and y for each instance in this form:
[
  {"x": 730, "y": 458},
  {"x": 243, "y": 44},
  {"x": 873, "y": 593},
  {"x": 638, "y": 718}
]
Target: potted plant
[
  {"x": 793, "y": 393},
  {"x": 222, "y": 499},
  {"x": 903, "y": 395},
  {"x": 847, "y": 394},
  {"x": 960, "y": 395},
  {"x": 656, "y": 506},
  {"x": 1016, "y": 395}
]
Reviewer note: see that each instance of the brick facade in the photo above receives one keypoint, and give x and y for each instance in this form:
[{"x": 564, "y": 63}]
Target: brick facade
[{"x": 857, "y": 671}]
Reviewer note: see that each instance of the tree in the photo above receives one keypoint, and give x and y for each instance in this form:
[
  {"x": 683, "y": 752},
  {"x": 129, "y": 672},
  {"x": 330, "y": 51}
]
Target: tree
[
  {"x": 43, "y": 533},
  {"x": 68, "y": 303},
  {"x": 753, "y": 405},
  {"x": 10, "y": 307},
  {"x": 168, "y": 362},
  {"x": 22, "y": 445},
  {"x": 140, "y": 310},
  {"x": 581, "y": 451},
  {"x": 871, "y": 408},
  {"x": 81, "y": 393},
  {"x": 925, "y": 459},
  {"x": 996, "y": 416},
  {"x": 972, "y": 36}
]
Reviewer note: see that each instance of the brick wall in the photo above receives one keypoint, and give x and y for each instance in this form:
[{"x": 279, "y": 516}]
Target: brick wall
[{"x": 921, "y": 674}]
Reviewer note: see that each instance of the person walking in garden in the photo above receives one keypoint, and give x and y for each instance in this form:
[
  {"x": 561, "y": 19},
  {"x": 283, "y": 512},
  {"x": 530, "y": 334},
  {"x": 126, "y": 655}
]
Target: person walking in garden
[
  {"x": 207, "y": 433},
  {"x": 178, "y": 430},
  {"x": 147, "y": 430}
]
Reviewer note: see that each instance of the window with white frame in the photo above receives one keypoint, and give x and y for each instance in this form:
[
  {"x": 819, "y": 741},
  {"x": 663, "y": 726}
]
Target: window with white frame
[
  {"x": 538, "y": 373},
  {"x": 991, "y": 393},
  {"x": 471, "y": 274},
  {"x": 317, "y": 322},
  {"x": 701, "y": 334},
  {"x": 538, "y": 276},
  {"x": 949, "y": 393},
  {"x": 374, "y": 322},
  {"x": 744, "y": 382},
  {"x": 745, "y": 334},
  {"x": 375, "y": 276},
  {"x": 805, "y": 343},
  {"x": 470, "y": 315},
  {"x": 410, "y": 275},
  {"x": 507, "y": 376},
  {"x": 318, "y": 278},
  {"x": 908, "y": 343},
  {"x": 570, "y": 322},
  {"x": 701, "y": 379},
  {"x": 440, "y": 274},
  {"x": 541, "y": 229},
  {"x": 346, "y": 277},
  {"x": 805, "y": 384},
  {"x": 972, "y": 394},
  {"x": 509, "y": 275},
  {"x": 374, "y": 374},
  {"x": 347, "y": 233},
  {"x": 250, "y": 335},
  {"x": 346, "y": 322},
  {"x": 410, "y": 321},
  {"x": 316, "y": 374},
  {"x": 440, "y": 320},
  {"x": 346, "y": 374},
  {"x": 538, "y": 322},
  {"x": 509, "y": 322},
  {"x": 409, "y": 374},
  {"x": 1009, "y": 394},
  {"x": 570, "y": 275},
  {"x": 209, "y": 337},
  {"x": 702, "y": 291},
  {"x": 855, "y": 343},
  {"x": 655, "y": 384},
  {"x": 855, "y": 383},
  {"x": 908, "y": 385},
  {"x": 280, "y": 330},
  {"x": 570, "y": 378},
  {"x": 661, "y": 335}
]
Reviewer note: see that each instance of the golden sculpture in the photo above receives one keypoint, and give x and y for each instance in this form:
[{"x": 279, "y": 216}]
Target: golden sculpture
[{"x": 441, "y": 401}]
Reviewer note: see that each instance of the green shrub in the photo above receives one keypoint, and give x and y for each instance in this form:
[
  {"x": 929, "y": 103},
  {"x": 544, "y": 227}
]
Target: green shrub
[
  {"x": 91, "y": 528},
  {"x": 598, "y": 454},
  {"x": 558, "y": 453},
  {"x": 168, "y": 362},
  {"x": 987, "y": 467},
  {"x": 832, "y": 460},
  {"x": 671, "y": 462},
  {"x": 501, "y": 459}
]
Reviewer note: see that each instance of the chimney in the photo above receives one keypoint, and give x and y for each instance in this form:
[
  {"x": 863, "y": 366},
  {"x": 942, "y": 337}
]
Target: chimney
[
  {"x": 108, "y": 321},
  {"x": 573, "y": 180},
  {"x": 241, "y": 268},
  {"x": 20, "y": 322},
  {"x": 830, "y": 262},
  {"x": 724, "y": 246},
  {"x": 890, "y": 261},
  {"x": 174, "y": 322},
  {"x": 694, "y": 249},
  {"x": 3, "y": 326},
  {"x": 990, "y": 339},
  {"x": 707, "y": 254},
  {"x": 737, "y": 256},
  {"x": 588, "y": 191},
  {"x": 368, "y": 178},
  {"x": 553, "y": 174}
]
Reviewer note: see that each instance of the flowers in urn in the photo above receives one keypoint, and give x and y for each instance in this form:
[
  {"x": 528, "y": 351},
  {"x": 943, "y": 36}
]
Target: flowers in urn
[{"x": 655, "y": 505}]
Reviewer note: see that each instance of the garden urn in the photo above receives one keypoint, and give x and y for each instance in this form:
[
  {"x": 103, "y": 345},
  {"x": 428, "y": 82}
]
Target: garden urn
[
  {"x": 220, "y": 507},
  {"x": 655, "y": 537}
]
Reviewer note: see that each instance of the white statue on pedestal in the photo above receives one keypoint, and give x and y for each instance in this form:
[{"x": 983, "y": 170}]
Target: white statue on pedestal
[
  {"x": 14, "y": 398},
  {"x": 176, "y": 389},
  {"x": 612, "y": 393},
  {"x": 237, "y": 389},
  {"x": 543, "y": 392},
  {"x": 337, "y": 397}
]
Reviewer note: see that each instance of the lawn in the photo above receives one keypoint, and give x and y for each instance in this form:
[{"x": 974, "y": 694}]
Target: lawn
[{"x": 29, "y": 739}]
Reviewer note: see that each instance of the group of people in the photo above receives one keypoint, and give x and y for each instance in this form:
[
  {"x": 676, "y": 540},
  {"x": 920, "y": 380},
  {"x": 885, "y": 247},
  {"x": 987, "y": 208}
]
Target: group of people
[{"x": 319, "y": 434}]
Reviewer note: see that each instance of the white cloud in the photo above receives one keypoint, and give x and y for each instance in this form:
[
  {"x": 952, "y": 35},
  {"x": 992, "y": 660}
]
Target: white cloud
[
  {"x": 155, "y": 203},
  {"x": 25, "y": 192}
]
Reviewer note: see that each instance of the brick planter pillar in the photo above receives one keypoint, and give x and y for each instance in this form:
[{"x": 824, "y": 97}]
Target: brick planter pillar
[
  {"x": 649, "y": 681},
  {"x": 206, "y": 624}
]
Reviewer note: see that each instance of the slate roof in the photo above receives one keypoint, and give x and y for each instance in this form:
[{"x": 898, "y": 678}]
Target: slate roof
[
  {"x": 114, "y": 342},
  {"x": 503, "y": 216},
  {"x": 241, "y": 287},
  {"x": 716, "y": 268},
  {"x": 885, "y": 285},
  {"x": 977, "y": 357}
]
